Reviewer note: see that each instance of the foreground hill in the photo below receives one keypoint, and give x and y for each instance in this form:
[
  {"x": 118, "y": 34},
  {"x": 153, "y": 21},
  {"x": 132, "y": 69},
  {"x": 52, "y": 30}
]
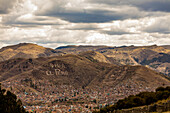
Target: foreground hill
[
  {"x": 131, "y": 104},
  {"x": 25, "y": 50}
]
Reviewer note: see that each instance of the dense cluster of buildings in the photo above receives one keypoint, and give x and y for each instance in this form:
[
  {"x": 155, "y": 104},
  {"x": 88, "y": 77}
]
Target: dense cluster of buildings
[{"x": 43, "y": 96}]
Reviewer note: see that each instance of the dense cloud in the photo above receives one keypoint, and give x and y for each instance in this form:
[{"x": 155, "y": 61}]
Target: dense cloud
[
  {"x": 148, "y": 5},
  {"x": 161, "y": 5},
  {"x": 53, "y": 23},
  {"x": 95, "y": 15},
  {"x": 160, "y": 25},
  {"x": 6, "y": 6}
]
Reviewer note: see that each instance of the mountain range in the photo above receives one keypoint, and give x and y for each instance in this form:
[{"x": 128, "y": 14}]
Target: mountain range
[
  {"x": 154, "y": 57},
  {"x": 85, "y": 66},
  {"x": 29, "y": 70}
]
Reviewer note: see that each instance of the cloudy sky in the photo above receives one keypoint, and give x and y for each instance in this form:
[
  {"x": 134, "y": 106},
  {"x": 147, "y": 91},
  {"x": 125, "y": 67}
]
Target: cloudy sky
[{"x": 53, "y": 23}]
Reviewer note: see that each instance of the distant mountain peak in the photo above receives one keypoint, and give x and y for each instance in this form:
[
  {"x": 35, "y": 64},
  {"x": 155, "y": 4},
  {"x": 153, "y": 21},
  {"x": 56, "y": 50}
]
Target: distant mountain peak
[{"x": 26, "y": 50}]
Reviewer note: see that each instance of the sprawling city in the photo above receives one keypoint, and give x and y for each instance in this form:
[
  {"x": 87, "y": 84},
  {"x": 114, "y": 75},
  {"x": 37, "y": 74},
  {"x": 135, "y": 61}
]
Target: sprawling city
[{"x": 84, "y": 56}]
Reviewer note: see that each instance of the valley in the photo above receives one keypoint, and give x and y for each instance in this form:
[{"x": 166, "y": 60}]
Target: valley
[{"x": 79, "y": 81}]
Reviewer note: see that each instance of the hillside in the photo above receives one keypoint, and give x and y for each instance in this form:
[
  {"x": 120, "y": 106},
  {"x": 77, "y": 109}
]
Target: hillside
[
  {"x": 128, "y": 76},
  {"x": 26, "y": 50},
  {"x": 69, "y": 69},
  {"x": 161, "y": 106},
  {"x": 48, "y": 75},
  {"x": 77, "y": 70},
  {"x": 157, "y": 101},
  {"x": 94, "y": 56}
]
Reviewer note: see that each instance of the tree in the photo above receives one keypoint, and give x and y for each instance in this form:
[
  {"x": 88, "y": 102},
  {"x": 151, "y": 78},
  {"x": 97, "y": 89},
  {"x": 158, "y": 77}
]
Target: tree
[
  {"x": 160, "y": 89},
  {"x": 9, "y": 102}
]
